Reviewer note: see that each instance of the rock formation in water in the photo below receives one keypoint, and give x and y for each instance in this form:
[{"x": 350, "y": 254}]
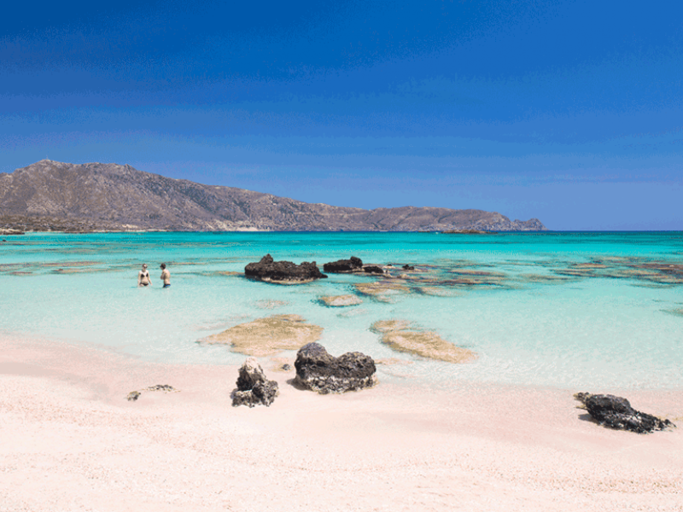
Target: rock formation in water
[
  {"x": 252, "y": 386},
  {"x": 267, "y": 336},
  {"x": 616, "y": 412},
  {"x": 319, "y": 371},
  {"x": 344, "y": 266},
  {"x": 338, "y": 301},
  {"x": 283, "y": 272},
  {"x": 55, "y": 196},
  {"x": 401, "y": 336}
]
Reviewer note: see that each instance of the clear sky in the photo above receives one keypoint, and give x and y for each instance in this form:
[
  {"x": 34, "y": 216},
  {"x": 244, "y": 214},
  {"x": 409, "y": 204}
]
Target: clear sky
[{"x": 569, "y": 111}]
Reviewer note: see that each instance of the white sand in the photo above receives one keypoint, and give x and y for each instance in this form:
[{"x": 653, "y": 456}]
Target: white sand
[{"x": 69, "y": 441}]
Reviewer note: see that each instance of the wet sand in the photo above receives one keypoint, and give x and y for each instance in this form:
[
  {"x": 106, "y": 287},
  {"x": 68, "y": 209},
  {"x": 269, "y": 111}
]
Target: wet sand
[{"x": 72, "y": 442}]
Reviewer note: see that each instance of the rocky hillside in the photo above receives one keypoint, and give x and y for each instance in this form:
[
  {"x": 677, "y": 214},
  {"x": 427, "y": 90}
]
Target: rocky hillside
[{"x": 69, "y": 197}]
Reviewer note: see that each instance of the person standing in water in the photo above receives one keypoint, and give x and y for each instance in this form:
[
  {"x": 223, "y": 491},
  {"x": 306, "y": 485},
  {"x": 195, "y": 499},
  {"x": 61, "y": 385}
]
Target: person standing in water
[
  {"x": 143, "y": 276},
  {"x": 165, "y": 275}
]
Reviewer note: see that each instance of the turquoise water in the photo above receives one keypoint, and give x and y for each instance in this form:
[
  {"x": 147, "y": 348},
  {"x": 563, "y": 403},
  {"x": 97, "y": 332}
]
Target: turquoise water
[{"x": 574, "y": 310}]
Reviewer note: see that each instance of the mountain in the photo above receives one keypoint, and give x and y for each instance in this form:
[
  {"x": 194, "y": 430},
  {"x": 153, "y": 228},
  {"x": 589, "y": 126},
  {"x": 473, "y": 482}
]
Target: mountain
[{"x": 68, "y": 197}]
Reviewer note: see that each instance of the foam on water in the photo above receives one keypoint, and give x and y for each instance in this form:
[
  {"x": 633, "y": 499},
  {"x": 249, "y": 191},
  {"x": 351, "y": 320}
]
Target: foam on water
[{"x": 570, "y": 310}]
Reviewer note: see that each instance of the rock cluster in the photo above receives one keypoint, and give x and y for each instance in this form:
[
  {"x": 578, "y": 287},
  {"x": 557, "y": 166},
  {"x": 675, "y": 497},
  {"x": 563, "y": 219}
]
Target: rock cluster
[
  {"x": 318, "y": 371},
  {"x": 283, "y": 272},
  {"x": 252, "y": 386},
  {"x": 344, "y": 266},
  {"x": 616, "y": 412}
]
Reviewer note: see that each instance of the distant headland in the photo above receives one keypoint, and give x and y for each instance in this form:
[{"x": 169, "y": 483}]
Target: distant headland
[{"x": 56, "y": 196}]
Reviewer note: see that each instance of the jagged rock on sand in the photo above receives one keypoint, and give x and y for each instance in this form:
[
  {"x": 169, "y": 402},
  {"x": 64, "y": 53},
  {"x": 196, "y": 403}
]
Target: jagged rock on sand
[
  {"x": 344, "y": 266},
  {"x": 252, "y": 386},
  {"x": 616, "y": 412},
  {"x": 283, "y": 272},
  {"x": 319, "y": 371},
  {"x": 338, "y": 301},
  {"x": 268, "y": 336},
  {"x": 401, "y": 336}
]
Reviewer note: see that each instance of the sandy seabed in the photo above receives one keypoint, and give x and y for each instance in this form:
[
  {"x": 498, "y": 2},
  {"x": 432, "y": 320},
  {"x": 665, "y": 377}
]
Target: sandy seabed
[{"x": 70, "y": 441}]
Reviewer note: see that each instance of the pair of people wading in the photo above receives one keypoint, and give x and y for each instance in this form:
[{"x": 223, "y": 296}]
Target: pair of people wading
[{"x": 145, "y": 280}]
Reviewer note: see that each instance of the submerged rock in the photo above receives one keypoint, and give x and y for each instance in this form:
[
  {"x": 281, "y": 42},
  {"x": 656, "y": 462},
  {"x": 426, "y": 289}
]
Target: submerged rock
[
  {"x": 252, "y": 386},
  {"x": 616, "y": 412},
  {"x": 268, "y": 336},
  {"x": 381, "y": 290},
  {"x": 270, "y": 304},
  {"x": 402, "y": 337},
  {"x": 338, "y": 301},
  {"x": 283, "y": 272},
  {"x": 344, "y": 266},
  {"x": 318, "y": 371}
]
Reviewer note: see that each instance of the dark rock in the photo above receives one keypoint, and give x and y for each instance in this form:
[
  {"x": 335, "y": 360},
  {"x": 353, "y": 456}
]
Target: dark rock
[
  {"x": 373, "y": 269},
  {"x": 161, "y": 387},
  {"x": 408, "y": 267},
  {"x": 134, "y": 395},
  {"x": 283, "y": 271},
  {"x": 343, "y": 266},
  {"x": 286, "y": 367},
  {"x": 319, "y": 371},
  {"x": 252, "y": 386},
  {"x": 616, "y": 412}
]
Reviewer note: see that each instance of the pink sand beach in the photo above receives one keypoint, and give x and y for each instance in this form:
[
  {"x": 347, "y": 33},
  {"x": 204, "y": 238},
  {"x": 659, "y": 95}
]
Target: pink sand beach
[{"x": 72, "y": 442}]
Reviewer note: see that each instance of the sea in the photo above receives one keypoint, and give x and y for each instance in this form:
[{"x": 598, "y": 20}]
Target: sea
[{"x": 589, "y": 311}]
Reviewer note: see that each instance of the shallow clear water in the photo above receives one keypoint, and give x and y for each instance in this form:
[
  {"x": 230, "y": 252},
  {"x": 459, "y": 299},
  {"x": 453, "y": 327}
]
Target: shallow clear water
[{"x": 575, "y": 310}]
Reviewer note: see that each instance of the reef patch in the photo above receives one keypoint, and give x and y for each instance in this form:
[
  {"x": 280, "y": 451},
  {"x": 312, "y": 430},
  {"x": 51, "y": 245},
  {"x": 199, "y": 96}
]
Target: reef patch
[
  {"x": 402, "y": 336},
  {"x": 267, "y": 336}
]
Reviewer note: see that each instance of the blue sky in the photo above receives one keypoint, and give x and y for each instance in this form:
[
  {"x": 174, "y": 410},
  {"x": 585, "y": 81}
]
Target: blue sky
[{"x": 569, "y": 111}]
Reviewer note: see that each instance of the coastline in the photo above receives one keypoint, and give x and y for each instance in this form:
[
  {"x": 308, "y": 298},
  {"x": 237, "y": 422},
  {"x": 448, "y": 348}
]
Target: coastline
[{"x": 73, "y": 442}]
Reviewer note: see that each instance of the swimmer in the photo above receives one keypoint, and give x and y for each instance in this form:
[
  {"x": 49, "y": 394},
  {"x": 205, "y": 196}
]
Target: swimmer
[
  {"x": 165, "y": 275},
  {"x": 143, "y": 276}
]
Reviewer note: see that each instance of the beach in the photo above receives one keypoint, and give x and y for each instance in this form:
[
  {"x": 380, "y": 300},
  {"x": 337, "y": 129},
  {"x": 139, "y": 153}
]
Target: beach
[
  {"x": 72, "y": 442},
  {"x": 480, "y": 417}
]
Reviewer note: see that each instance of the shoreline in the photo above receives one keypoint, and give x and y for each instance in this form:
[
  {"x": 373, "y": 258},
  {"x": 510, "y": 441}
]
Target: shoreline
[{"x": 73, "y": 442}]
